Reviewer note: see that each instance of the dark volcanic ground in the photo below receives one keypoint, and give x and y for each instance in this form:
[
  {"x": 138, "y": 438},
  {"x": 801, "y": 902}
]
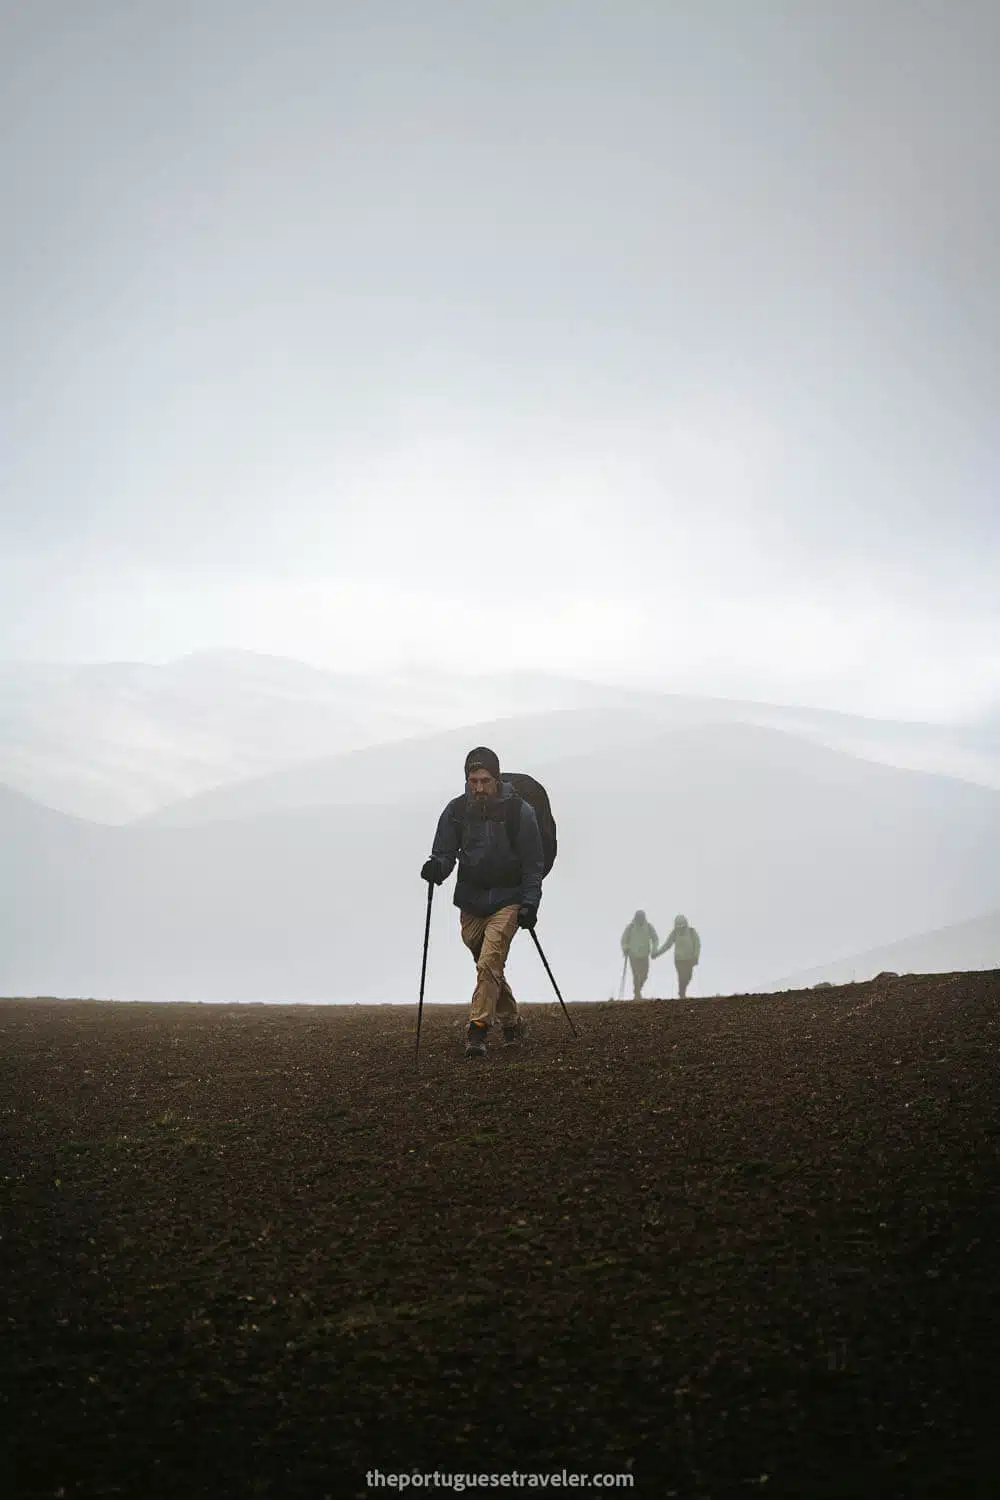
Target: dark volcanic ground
[{"x": 735, "y": 1247}]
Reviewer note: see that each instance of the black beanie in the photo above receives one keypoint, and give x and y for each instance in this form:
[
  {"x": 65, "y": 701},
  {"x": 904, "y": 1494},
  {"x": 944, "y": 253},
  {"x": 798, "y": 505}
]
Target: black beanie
[{"x": 483, "y": 759}]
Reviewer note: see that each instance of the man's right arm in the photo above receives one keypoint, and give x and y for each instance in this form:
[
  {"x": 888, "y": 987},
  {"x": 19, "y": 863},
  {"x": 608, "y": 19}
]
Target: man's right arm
[{"x": 445, "y": 848}]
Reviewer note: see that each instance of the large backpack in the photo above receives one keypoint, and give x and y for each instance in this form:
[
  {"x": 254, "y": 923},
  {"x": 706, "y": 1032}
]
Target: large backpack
[{"x": 532, "y": 791}]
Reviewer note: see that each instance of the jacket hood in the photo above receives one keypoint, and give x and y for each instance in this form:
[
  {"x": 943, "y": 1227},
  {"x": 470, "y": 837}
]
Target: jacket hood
[{"x": 680, "y": 922}]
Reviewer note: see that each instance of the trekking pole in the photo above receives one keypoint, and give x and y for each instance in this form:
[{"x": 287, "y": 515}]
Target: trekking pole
[
  {"x": 549, "y": 972},
  {"x": 621, "y": 987},
  {"x": 423, "y": 966}
]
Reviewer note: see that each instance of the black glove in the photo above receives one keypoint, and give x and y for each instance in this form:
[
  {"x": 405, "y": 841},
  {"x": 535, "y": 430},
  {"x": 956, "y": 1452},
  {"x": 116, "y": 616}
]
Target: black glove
[
  {"x": 431, "y": 870},
  {"x": 527, "y": 917}
]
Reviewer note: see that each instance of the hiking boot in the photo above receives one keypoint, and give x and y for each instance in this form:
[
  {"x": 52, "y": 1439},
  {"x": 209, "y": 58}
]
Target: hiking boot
[
  {"x": 513, "y": 1035},
  {"x": 475, "y": 1045}
]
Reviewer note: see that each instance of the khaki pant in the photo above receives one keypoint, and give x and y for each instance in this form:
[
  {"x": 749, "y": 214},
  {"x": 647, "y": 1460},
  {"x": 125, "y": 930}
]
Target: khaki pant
[
  {"x": 640, "y": 973},
  {"x": 685, "y": 968},
  {"x": 489, "y": 939}
]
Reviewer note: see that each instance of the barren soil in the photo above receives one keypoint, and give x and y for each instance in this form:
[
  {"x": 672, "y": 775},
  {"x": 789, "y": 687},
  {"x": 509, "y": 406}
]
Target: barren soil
[{"x": 733, "y": 1247}]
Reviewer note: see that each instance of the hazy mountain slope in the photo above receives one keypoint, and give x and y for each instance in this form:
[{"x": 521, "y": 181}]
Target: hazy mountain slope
[
  {"x": 425, "y": 766},
  {"x": 768, "y": 844},
  {"x": 59, "y": 883},
  {"x": 779, "y": 851},
  {"x": 113, "y": 741},
  {"x": 117, "y": 741},
  {"x": 425, "y": 763},
  {"x": 961, "y": 947}
]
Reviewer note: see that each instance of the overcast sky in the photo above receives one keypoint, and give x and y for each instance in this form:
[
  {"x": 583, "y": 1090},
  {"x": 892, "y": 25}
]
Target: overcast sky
[{"x": 649, "y": 341}]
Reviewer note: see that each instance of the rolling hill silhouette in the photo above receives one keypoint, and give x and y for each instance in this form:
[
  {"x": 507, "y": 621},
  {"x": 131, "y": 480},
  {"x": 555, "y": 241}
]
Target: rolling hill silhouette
[
  {"x": 115, "y": 741},
  {"x": 962, "y": 947},
  {"x": 779, "y": 850}
]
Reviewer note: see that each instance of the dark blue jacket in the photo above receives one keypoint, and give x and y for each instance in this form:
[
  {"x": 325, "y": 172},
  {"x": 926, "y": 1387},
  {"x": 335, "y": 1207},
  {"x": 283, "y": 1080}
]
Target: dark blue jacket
[{"x": 492, "y": 873}]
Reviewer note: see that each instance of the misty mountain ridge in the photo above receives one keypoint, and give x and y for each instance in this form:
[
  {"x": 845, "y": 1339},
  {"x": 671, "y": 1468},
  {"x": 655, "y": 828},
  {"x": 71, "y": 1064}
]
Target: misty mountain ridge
[
  {"x": 394, "y": 771},
  {"x": 964, "y": 946},
  {"x": 123, "y": 740},
  {"x": 114, "y": 741},
  {"x": 779, "y": 850}
]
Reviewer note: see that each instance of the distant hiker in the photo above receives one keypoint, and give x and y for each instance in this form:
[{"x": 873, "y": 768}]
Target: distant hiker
[
  {"x": 638, "y": 942},
  {"x": 494, "y": 834},
  {"x": 687, "y": 950}
]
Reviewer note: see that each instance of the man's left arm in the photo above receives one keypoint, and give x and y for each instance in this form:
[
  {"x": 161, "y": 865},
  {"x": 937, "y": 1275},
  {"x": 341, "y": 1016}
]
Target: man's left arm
[{"x": 532, "y": 857}]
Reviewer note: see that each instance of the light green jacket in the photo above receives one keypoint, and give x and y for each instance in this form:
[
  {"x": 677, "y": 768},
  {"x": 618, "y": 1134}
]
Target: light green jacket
[
  {"x": 639, "y": 939},
  {"x": 685, "y": 942}
]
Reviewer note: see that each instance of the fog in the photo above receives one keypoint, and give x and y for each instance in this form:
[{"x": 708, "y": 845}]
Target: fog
[
  {"x": 373, "y": 373},
  {"x": 784, "y": 854},
  {"x": 653, "y": 344},
  {"x": 221, "y": 734}
]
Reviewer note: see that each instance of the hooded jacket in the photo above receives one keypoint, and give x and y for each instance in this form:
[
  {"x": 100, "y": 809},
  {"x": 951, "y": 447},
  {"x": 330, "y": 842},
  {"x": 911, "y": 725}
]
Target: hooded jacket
[
  {"x": 639, "y": 938},
  {"x": 492, "y": 872},
  {"x": 685, "y": 942}
]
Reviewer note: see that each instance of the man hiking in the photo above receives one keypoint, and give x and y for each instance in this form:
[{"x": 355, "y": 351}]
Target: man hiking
[
  {"x": 687, "y": 950},
  {"x": 494, "y": 835},
  {"x": 638, "y": 942}
]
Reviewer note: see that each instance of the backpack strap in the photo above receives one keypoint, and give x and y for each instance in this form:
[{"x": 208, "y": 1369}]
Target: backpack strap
[
  {"x": 456, "y": 807},
  {"x": 513, "y": 821}
]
